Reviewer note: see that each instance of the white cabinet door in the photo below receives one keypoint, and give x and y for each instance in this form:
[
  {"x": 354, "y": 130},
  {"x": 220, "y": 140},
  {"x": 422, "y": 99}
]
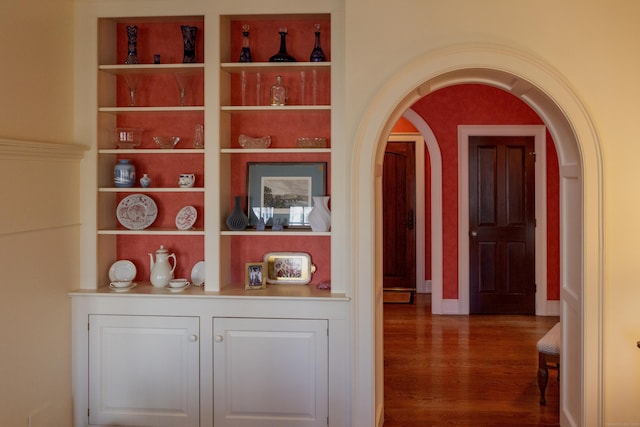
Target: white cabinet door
[
  {"x": 270, "y": 372},
  {"x": 144, "y": 371}
]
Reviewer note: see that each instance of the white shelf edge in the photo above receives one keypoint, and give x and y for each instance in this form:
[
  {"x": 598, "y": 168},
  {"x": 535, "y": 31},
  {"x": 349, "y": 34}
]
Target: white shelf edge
[
  {"x": 150, "y": 151},
  {"x": 152, "y": 232},
  {"x": 237, "y": 67},
  {"x": 274, "y": 150},
  {"x": 150, "y": 109},
  {"x": 292, "y": 233},
  {"x": 151, "y": 190},
  {"x": 150, "y": 68},
  {"x": 270, "y": 108}
]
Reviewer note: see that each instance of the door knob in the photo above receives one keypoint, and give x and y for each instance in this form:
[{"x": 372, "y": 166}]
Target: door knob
[
  {"x": 474, "y": 233},
  {"x": 193, "y": 338},
  {"x": 219, "y": 338}
]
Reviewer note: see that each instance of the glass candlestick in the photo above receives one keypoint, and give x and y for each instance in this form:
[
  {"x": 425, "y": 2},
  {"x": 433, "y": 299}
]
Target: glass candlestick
[
  {"x": 317, "y": 55},
  {"x": 198, "y": 140},
  {"x": 245, "y": 53},
  {"x": 303, "y": 84},
  {"x": 282, "y": 55},
  {"x": 258, "y": 89},
  {"x": 243, "y": 87},
  {"x": 278, "y": 93}
]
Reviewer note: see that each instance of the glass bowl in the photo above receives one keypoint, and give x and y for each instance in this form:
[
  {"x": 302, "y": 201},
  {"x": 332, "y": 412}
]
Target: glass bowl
[
  {"x": 166, "y": 142},
  {"x": 127, "y": 137},
  {"x": 312, "y": 142},
  {"x": 249, "y": 142}
]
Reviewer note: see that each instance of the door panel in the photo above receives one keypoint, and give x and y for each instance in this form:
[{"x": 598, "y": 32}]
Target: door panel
[
  {"x": 399, "y": 202},
  {"x": 144, "y": 370},
  {"x": 270, "y": 372},
  {"x": 502, "y": 224}
]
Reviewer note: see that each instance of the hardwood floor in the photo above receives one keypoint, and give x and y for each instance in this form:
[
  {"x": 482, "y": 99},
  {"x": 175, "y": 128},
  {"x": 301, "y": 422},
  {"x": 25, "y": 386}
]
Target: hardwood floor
[{"x": 473, "y": 370}]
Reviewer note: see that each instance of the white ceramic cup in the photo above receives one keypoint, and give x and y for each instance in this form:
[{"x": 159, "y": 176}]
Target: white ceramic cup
[{"x": 186, "y": 180}]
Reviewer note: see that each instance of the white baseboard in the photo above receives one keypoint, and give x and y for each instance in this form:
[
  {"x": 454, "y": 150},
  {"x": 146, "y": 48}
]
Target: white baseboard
[
  {"x": 553, "y": 308},
  {"x": 424, "y": 287},
  {"x": 451, "y": 306}
]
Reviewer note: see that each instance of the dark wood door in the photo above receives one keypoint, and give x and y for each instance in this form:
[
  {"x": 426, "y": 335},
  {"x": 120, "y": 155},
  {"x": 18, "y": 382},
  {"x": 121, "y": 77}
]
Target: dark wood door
[
  {"x": 398, "y": 215},
  {"x": 502, "y": 224}
]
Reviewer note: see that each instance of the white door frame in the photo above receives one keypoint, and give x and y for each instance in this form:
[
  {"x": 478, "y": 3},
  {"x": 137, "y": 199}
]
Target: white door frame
[{"x": 539, "y": 133}]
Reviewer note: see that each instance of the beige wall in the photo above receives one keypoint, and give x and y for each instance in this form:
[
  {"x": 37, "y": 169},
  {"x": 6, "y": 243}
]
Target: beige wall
[
  {"x": 593, "y": 45},
  {"x": 38, "y": 212}
]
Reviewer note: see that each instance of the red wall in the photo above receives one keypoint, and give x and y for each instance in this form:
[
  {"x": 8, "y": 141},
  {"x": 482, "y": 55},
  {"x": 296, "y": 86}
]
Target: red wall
[{"x": 443, "y": 111}]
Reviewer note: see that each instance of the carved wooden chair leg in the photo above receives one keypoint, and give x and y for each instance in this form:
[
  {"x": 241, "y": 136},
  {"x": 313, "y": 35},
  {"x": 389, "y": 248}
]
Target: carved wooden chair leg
[{"x": 543, "y": 376}]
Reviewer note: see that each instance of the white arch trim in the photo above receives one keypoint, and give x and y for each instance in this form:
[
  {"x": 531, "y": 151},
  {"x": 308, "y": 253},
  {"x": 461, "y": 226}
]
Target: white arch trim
[
  {"x": 436, "y": 208},
  {"x": 581, "y": 173}
]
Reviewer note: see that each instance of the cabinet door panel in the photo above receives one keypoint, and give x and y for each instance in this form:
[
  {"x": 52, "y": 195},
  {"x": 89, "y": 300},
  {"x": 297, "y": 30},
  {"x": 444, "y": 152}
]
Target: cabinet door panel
[
  {"x": 270, "y": 372},
  {"x": 143, "y": 370}
]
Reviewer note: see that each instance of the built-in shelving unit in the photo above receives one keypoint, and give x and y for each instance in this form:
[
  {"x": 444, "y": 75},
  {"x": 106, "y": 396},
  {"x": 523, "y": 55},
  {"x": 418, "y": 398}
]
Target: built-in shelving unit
[
  {"x": 245, "y": 109},
  {"x": 163, "y": 99}
]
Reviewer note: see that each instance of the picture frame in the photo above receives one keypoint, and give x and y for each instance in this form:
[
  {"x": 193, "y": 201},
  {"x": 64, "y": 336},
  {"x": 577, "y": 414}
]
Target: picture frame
[
  {"x": 282, "y": 193},
  {"x": 293, "y": 268},
  {"x": 255, "y": 275}
]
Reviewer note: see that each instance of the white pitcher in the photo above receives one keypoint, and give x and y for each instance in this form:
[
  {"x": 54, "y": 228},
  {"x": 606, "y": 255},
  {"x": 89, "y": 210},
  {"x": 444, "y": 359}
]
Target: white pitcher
[{"x": 161, "y": 269}]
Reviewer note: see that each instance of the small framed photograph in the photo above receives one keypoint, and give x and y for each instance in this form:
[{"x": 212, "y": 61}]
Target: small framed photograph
[
  {"x": 293, "y": 268},
  {"x": 255, "y": 275},
  {"x": 281, "y": 193}
]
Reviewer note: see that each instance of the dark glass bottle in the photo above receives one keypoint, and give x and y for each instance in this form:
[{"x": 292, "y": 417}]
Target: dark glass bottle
[
  {"x": 317, "y": 55},
  {"x": 282, "y": 55},
  {"x": 245, "y": 53}
]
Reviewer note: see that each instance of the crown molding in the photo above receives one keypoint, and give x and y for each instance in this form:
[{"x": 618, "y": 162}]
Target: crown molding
[{"x": 17, "y": 149}]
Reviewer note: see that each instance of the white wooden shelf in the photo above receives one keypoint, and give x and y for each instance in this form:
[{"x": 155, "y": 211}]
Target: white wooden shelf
[
  {"x": 151, "y": 190},
  {"x": 151, "y": 151},
  {"x": 122, "y": 69},
  {"x": 274, "y": 108},
  {"x": 152, "y": 232},
  {"x": 285, "y": 233},
  {"x": 275, "y": 150},
  {"x": 168, "y": 109},
  {"x": 255, "y": 67}
]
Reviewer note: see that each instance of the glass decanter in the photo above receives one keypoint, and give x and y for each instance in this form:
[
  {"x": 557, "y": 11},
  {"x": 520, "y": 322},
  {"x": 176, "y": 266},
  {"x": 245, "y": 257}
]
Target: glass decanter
[
  {"x": 245, "y": 53},
  {"x": 278, "y": 93},
  {"x": 317, "y": 55},
  {"x": 282, "y": 55}
]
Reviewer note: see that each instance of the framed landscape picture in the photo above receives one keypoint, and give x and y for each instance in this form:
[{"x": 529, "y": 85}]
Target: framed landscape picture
[{"x": 281, "y": 193}]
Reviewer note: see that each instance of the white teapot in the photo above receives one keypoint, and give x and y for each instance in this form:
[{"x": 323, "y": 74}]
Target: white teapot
[{"x": 161, "y": 269}]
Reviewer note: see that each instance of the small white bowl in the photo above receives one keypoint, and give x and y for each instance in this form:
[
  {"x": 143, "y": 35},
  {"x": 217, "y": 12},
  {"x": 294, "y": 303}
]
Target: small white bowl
[
  {"x": 120, "y": 284},
  {"x": 178, "y": 283}
]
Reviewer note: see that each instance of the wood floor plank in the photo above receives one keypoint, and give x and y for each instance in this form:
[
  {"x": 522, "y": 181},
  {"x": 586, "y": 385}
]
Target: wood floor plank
[{"x": 464, "y": 370}]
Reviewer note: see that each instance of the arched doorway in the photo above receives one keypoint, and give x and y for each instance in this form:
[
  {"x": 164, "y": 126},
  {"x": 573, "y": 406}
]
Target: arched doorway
[{"x": 581, "y": 218}]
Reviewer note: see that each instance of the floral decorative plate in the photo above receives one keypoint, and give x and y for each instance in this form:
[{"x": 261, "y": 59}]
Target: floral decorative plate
[
  {"x": 186, "y": 218},
  {"x": 137, "y": 211}
]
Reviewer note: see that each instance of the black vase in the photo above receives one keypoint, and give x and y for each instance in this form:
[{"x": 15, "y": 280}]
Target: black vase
[
  {"x": 132, "y": 45},
  {"x": 282, "y": 55},
  {"x": 237, "y": 220},
  {"x": 189, "y": 38}
]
